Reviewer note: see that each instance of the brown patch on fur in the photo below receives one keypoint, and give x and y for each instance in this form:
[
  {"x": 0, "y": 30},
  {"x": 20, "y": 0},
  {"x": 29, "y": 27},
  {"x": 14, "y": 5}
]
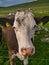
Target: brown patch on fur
[
  {"x": 10, "y": 38},
  {"x": 12, "y": 43}
]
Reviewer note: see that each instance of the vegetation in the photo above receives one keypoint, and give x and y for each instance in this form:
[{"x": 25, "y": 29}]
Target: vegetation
[
  {"x": 39, "y": 8},
  {"x": 41, "y": 57}
]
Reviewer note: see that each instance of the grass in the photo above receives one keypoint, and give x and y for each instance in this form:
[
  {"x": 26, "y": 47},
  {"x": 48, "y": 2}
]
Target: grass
[
  {"x": 38, "y": 8},
  {"x": 41, "y": 56}
]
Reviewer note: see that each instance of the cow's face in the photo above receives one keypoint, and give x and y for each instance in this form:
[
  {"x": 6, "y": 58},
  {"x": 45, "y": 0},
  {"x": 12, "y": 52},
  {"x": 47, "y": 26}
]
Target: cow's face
[{"x": 23, "y": 26}]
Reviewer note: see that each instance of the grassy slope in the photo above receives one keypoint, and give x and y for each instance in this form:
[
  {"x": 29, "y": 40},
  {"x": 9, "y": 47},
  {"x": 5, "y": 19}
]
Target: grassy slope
[
  {"x": 41, "y": 56},
  {"x": 38, "y": 8}
]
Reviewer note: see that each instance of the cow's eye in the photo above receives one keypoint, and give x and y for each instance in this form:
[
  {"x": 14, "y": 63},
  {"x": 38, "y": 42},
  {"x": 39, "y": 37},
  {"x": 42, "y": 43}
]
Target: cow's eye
[
  {"x": 23, "y": 19},
  {"x": 14, "y": 27},
  {"x": 34, "y": 26},
  {"x": 18, "y": 20}
]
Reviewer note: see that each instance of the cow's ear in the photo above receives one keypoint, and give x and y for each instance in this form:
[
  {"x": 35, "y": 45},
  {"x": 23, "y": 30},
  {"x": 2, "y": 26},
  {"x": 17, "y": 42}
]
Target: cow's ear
[
  {"x": 8, "y": 24},
  {"x": 16, "y": 24},
  {"x": 18, "y": 20}
]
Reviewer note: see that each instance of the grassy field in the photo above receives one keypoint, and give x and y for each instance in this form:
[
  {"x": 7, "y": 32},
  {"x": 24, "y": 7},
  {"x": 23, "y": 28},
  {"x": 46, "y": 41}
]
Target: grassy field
[
  {"x": 38, "y": 8},
  {"x": 41, "y": 57}
]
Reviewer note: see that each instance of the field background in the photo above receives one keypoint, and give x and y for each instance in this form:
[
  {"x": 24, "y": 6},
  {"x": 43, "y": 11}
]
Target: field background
[{"x": 41, "y": 57}]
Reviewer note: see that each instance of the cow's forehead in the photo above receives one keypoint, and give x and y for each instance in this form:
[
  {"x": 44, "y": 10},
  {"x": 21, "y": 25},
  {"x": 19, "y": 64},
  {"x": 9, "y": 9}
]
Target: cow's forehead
[
  {"x": 22, "y": 14},
  {"x": 19, "y": 13},
  {"x": 24, "y": 17}
]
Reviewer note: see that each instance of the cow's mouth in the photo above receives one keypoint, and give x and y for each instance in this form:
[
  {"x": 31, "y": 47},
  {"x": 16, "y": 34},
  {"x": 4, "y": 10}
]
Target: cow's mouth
[{"x": 26, "y": 51}]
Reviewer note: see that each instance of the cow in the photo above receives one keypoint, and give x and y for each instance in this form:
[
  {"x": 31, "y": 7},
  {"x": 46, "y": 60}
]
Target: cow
[
  {"x": 10, "y": 16},
  {"x": 4, "y": 22},
  {"x": 18, "y": 37},
  {"x": 9, "y": 19},
  {"x": 24, "y": 24},
  {"x": 10, "y": 38}
]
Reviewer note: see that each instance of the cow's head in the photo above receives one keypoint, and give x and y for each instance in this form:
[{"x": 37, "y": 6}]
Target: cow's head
[{"x": 24, "y": 25}]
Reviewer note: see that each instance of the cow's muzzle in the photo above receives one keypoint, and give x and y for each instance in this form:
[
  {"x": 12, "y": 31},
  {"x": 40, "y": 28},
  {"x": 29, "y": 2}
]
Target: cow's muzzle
[{"x": 26, "y": 51}]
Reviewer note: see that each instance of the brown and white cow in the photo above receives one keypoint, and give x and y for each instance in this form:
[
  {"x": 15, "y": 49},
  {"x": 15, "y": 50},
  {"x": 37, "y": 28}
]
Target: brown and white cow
[{"x": 18, "y": 37}]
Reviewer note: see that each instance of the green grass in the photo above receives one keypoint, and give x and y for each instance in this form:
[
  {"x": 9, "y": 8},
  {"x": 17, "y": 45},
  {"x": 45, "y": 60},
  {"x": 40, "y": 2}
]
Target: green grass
[
  {"x": 41, "y": 56},
  {"x": 38, "y": 8},
  {"x": 47, "y": 25}
]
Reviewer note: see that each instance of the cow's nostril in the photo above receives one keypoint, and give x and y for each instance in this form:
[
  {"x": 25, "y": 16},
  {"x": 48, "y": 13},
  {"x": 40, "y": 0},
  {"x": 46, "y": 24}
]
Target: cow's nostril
[
  {"x": 29, "y": 51},
  {"x": 32, "y": 51},
  {"x": 23, "y": 51},
  {"x": 26, "y": 51}
]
